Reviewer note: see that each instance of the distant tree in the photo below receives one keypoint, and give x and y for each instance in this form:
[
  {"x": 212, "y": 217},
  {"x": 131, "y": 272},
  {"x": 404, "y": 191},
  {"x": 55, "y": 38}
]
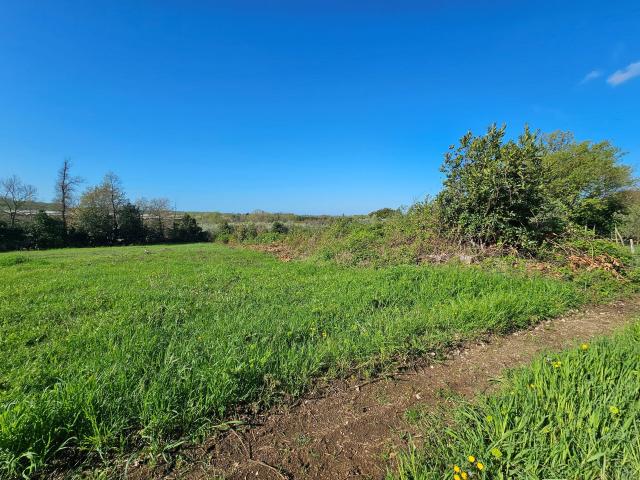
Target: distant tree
[
  {"x": 187, "y": 230},
  {"x": 628, "y": 222},
  {"x": 246, "y": 231},
  {"x": 586, "y": 179},
  {"x": 94, "y": 216},
  {"x": 131, "y": 227},
  {"x": 156, "y": 213},
  {"x": 279, "y": 227},
  {"x": 112, "y": 187},
  {"x": 225, "y": 228},
  {"x": 77, "y": 237},
  {"x": 12, "y": 238},
  {"x": 384, "y": 213},
  {"x": 15, "y": 195},
  {"x": 65, "y": 188},
  {"x": 98, "y": 210},
  {"x": 46, "y": 231}
]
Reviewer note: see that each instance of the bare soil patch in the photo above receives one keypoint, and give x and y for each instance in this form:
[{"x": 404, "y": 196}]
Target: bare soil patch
[
  {"x": 279, "y": 250},
  {"x": 351, "y": 429}
]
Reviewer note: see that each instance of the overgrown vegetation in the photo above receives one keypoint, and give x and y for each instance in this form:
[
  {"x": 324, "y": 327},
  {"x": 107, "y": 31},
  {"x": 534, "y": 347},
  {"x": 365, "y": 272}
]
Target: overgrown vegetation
[
  {"x": 111, "y": 349},
  {"x": 572, "y": 415},
  {"x": 530, "y": 194},
  {"x": 536, "y": 196}
]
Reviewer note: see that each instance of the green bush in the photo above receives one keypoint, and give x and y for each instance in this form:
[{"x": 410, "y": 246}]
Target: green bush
[
  {"x": 279, "y": 227},
  {"x": 493, "y": 191},
  {"x": 520, "y": 193}
]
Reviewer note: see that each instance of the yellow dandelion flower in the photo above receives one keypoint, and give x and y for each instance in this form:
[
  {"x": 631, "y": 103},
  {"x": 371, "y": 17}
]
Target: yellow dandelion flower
[
  {"x": 456, "y": 468},
  {"x": 464, "y": 475},
  {"x": 614, "y": 410},
  {"x": 471, "y": 459},
  {"x": 480, "y": 466},
  {"x": 456, "y": 477},
  {"x": 557, "y": 364},
  {"x": 584, "y": 346}
]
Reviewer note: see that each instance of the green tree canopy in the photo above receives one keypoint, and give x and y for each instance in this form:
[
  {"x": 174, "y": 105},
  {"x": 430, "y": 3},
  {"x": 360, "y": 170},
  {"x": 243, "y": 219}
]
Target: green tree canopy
[
  {"x": 94, "y": 216},
  {"x": 46, "y": 231},
  {"x": 587, "y": 179},
  {"x": 130, "y": 224}
]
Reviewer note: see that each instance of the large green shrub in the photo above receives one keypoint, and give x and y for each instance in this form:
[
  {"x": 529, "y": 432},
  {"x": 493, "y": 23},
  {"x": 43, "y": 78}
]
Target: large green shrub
[
  {"x": 493, "y": 191},
  {"x": 524, "y": 191}
]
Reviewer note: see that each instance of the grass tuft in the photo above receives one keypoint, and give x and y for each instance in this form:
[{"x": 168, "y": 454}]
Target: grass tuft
[{"x": 573, "y": 415}]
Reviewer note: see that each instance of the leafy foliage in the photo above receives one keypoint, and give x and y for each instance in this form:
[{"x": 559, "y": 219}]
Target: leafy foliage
[
  {"x": 586, "y": 179},
  {"x": 493, "y": 191},
  {"x": 187, "y": 230},
  {"x": 523, "y": 192},
  {"x": 94, "y": 216},
  {"x": 47, "y": 232},
  {"x": 130, "y": 224},
  {"x": 279, "y": 227},
  {"x": 12, "y": 237},
  {"x": 384, "y": 213}
]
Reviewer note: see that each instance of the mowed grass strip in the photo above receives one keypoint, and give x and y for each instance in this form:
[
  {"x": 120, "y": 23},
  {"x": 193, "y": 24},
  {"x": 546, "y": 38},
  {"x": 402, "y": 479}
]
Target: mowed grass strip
[
  {"x": 573, "y": 415},
  {"x": 115, "y": 348}
]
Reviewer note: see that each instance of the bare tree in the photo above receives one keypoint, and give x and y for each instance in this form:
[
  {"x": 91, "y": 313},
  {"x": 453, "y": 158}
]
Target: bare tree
[
  {"x": 112, "y": 186},
  {"x": 15, "y": 194},
  {"x": 65, "y": 187},
  {"x": 155, "y": 212}
]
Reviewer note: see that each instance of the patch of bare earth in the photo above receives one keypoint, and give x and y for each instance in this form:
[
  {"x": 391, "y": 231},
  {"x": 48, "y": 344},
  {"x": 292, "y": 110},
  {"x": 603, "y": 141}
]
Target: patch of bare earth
[
  {"x": 350, "y": 430},
  {"x": 279, "y": 250}
]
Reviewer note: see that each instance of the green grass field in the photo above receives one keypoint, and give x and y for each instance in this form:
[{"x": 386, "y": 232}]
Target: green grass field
[
  {"x": 573, "y": 415},
  {"x": 112, "y": 349}
]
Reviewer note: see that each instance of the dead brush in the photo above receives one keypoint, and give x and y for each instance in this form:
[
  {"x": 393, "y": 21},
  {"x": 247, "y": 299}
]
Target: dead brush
[{"x": 577, "y": 259}]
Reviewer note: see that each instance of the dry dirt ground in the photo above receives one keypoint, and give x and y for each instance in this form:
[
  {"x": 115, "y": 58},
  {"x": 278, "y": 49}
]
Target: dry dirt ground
[{"x": 351, "y": 430}]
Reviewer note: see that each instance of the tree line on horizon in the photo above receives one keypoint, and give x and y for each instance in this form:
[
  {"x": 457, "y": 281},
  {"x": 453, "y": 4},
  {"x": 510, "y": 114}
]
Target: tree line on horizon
[{"x": 103, "y": 215}]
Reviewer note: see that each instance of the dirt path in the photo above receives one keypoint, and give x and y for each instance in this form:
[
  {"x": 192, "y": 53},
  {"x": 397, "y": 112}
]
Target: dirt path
[{"x": 350, "y": 430}]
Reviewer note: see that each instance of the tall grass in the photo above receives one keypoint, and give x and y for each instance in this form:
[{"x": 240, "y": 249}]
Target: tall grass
[
  {"x": 109, "y": 349},
  {"x": 573, "y": 415}
]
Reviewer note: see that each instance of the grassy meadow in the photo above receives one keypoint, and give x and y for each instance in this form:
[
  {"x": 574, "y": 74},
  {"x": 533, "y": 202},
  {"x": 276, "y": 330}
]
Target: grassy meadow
[
  {"x": 573, "y": 415},
  {"x": 111, "y": 349}
]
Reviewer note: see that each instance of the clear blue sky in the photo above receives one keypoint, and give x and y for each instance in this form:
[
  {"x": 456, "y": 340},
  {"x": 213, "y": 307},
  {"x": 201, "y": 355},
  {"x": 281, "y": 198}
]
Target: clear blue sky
[{"x": 305, "y": 106}]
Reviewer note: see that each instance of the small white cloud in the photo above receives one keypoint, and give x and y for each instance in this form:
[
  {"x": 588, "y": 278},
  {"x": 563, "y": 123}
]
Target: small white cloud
[
  {"x": 592, "y": 75},
  {"x": 627, "y": 73}
]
